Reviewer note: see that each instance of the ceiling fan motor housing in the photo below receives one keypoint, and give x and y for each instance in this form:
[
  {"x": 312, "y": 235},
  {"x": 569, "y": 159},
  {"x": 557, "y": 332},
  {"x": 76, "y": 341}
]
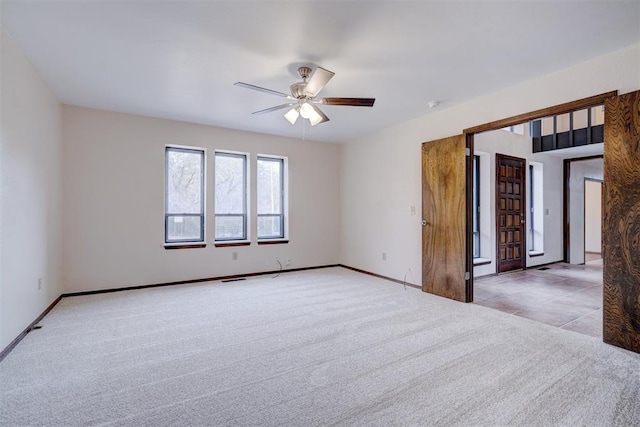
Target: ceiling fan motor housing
[
  {"x": 297, "y": 89},
  {"x": 304, "y": 72}
]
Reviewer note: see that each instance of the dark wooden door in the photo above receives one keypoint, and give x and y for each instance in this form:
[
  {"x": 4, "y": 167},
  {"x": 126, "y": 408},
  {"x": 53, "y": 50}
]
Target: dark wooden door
[
  {"x": 444, "y": 231},
  {"x": 510, "y": 212},
  {"x": 621, "y": 221}
]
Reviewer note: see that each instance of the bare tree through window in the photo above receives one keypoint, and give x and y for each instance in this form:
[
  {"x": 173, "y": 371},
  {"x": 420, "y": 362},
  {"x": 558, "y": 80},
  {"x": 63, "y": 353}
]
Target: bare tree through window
[
  {"x": 270, "y": 198},
  {"x": 184, "y": 195},
  {"x": 230, "y": 196}
]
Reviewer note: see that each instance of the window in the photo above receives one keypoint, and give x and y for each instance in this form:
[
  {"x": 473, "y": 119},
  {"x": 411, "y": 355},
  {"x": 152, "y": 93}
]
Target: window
[
  {"x": 535, "y": 200},
  {"x": 271, "y": 197},
  {"x": 476, "y": 206},
  {"x": 230, "y": 196},
  {"x": 184, "y": 195},
  {"x": 531, "y": 208}
]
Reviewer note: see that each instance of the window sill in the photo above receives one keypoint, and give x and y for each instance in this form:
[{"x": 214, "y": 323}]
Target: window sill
[
  {"x": 481, "y": 261},
  {"x": 231, "y": 243},
  {"x": 273, "y": 242},
  {"x": 533, "y": 254},
  {"x": 184, "y": 245}
]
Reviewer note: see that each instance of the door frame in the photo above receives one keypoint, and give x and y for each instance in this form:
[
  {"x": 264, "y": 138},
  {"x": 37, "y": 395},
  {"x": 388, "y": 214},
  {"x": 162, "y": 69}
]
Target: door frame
[{"x": 469, "y": 133}]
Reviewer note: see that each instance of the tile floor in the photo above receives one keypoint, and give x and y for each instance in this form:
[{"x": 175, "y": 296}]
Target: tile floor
[{"x": 563, "y": 295}]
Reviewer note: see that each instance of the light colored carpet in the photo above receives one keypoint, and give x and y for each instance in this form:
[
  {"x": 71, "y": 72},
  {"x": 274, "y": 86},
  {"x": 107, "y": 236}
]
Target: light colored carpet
[{"x": 323, "y": 347}]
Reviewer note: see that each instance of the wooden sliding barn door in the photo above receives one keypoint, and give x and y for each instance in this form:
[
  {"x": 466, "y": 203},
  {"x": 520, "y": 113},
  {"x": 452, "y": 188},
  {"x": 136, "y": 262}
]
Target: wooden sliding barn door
[
  {"x": 621, "y": 221},
  {"x": 444, "y": 215}
]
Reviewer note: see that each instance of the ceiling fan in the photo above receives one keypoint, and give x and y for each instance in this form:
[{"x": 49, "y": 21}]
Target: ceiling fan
[{"x": 302, "y": 97}]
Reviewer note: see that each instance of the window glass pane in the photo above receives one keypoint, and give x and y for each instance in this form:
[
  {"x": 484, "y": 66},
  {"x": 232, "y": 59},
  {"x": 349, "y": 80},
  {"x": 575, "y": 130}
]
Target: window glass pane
[
  {"x": 184, "y": 228},
  {"x": 562, "y": 123},
  {"x": 184, "y": 181},
  {"x": 597, "y": 115},
  {"x": 230, "y": 228},
  {"x": 269, "y": 226},
  {"x": 230, "y": 184},
  {"x": 269, "y": 186},
  {"x": 547, "y": 126},
  {"x": 580, "y": 119}
]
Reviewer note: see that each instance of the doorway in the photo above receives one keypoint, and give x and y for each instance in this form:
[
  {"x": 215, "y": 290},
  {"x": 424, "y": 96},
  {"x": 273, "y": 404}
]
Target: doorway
[
  {"x": 621, "y": 198},
  {"x": 592, "y": 220},
  {"x": 576, "y": 210},
  {"x": 561, "y": 295}
]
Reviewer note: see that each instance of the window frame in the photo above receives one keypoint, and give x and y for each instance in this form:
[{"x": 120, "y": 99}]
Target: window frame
[
  {"x": 167, "y": 215},
  {"x": 535, "y": 202},
  {"x": 245, "y": 199},
  {"x": 283, "y": 199},
  {"x": 531, "y": 227}
]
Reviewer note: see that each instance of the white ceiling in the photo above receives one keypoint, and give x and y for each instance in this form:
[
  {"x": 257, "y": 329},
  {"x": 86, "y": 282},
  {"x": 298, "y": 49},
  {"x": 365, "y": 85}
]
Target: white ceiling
[{"x": 179, "y": 59}]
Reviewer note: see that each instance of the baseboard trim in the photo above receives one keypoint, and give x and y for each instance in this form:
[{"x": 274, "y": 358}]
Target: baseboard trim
[
  {"x": 29, "y": 328},
  {"x": 191, "y": 281},
  {"x": 380, "y": 276},
  {"x": 533, "y": 267},
  {"x": 5, "y": 352}
]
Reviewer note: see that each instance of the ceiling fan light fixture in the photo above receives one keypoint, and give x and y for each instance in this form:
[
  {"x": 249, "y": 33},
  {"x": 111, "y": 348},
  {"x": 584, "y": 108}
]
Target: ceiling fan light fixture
[
  {"x": 292, "y": 115},
  {"x": 315, "y": 120},
  {"x": 307, "y": 111},
  {"x": 317, "y": 116}
]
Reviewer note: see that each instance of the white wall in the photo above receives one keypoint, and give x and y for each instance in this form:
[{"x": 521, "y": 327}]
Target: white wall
[
  {"x": 593, "y": 216},
  {"x": 30, "y": 194},
  {"x": 114, "y": 202},
  {"x": 512, "y": 144},
  {"x": 579, "y": 171},
  {"x": 380, "y": 172}
]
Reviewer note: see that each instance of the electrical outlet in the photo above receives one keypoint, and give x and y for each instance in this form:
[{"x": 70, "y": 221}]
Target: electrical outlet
[
  {"x": 287, "y": 261},
  {"x": 384, "y": 256},
  {"x": 267, "y": 262},
  {"x": 234, "y": 256},
  {"x": 412, "y": 209},
  {"x": 39, "y": 283}
]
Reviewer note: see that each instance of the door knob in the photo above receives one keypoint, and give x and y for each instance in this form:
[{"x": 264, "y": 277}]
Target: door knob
[{"x": 424, "y": 222}]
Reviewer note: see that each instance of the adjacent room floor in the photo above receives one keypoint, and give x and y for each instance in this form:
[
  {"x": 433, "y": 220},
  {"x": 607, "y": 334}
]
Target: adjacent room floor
[{"x": 564, "y": 295}]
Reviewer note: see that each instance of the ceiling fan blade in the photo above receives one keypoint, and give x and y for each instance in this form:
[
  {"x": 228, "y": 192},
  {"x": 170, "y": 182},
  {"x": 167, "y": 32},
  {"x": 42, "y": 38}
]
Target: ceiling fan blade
[
  {"x": 352, "y": 102},
  {"x": 276, "y": 108},
  {"x": 262, "y": 89},
  {"x": 321, "y": 118},
  {"x": 317, "y": 81}
]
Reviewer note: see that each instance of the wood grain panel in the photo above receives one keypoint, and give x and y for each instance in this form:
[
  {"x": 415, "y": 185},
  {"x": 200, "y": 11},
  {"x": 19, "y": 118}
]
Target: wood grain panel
[
  {"x": 621, "y": 222},
  {"x": 444, "y": 209}
]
